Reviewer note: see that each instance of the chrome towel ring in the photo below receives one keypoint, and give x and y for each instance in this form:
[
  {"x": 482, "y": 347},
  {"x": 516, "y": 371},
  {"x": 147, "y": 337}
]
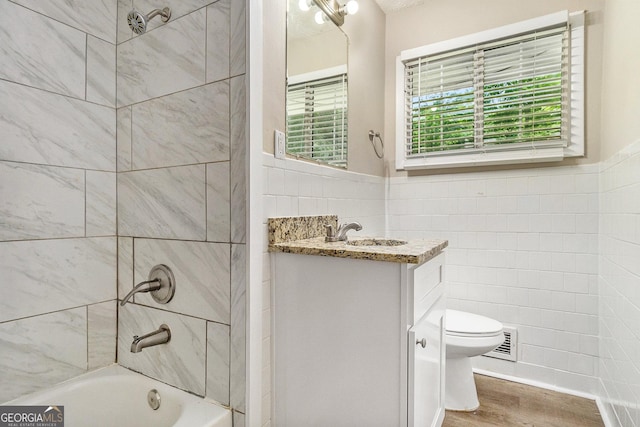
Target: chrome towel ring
[{"x": 372, "y": 136}]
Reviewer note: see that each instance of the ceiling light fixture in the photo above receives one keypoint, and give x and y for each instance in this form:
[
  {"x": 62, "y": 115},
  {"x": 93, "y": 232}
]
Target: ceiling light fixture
[
  {"x": 334, "y": 11},
  {"x": 305, "y": 5}
]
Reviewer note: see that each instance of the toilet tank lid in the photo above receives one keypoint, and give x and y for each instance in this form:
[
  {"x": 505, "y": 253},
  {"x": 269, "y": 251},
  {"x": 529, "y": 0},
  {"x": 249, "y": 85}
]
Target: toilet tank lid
[{"x": 469, "y": 323}]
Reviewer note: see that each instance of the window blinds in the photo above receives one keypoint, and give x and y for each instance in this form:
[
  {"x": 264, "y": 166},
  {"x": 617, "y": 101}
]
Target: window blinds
[
  {"x": 498, "y": 96},
  {"x": 317, "y": 120}
]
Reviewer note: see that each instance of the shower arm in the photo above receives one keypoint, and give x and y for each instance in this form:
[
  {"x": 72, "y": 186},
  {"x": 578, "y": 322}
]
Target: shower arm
[{"x": 164, "y": 13}]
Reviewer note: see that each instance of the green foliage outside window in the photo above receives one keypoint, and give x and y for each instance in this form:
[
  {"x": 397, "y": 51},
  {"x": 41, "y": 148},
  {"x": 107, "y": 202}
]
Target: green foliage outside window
[{"x": 516, "y": 111}]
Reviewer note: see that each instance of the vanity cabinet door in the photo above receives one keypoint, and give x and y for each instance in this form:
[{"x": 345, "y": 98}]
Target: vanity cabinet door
[{"x": 426, "y": 365}]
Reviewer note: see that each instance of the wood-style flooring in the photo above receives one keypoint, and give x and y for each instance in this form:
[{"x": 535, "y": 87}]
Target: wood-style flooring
[{"x": 508, "y": 404}]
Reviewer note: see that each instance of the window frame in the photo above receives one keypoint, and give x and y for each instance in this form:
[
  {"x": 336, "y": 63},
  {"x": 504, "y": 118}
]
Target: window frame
[{"x": 575, "y": 138}]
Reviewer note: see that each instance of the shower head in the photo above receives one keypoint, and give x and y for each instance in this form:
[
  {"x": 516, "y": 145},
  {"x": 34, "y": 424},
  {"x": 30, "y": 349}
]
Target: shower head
[{"x": 138, "y": 21}]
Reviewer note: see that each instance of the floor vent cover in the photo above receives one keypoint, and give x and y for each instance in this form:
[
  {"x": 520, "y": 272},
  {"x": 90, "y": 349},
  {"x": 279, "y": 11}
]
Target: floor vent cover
[{"x": 507, "y": 350}]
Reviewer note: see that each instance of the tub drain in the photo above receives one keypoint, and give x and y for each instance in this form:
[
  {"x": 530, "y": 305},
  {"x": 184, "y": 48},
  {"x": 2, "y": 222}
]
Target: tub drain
[{"x": 153, "y": 398}]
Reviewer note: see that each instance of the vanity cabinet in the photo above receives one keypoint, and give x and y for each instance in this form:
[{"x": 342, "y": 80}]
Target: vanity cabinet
[{"x": 357, "y": 342}]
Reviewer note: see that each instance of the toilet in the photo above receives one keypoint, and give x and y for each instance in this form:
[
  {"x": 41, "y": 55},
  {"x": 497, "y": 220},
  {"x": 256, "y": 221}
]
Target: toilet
[{"x": 467, "y": 335}]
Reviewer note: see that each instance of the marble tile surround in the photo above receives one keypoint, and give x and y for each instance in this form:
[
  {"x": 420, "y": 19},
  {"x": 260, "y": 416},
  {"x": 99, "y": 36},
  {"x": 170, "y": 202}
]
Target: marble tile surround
[
  {"x": 40, "y": 351},
  {"x": 173, "y": 140},
  {"x": 72, "y": 145},
  {"x": 125, "y": 265},
  {"x": 201, "y": 270},
  {"x": 42, "y": 276},
  {"x": 238, "y": 159},
  {"x": 218, "y": 31},
  {"x": 238, "y": 325},
  {"x": 163, "y": 203},
  {"x": 123, "y": 137},
  {"x": 218, "y": 337},
  {"x": 166, "y": 60},
  {"x": 80, "y": 14},
  {"x": 184, "y": 128},
  {"x": 57, "y": 191},
  {"x": 102, "y": 326},
  {"x": 52, "y": 59},
  {"x": 123, "y": 32},
  {"x": 50, "y": 129},
  {"x": 41, "y": 201},
  {"x": 101, "y": 205},
  {"x": 238, "y": 41},
  {"x": 101, "y": 72},
  {"x": 181, "y": 362},
  {"x": 218, "y": 204}
]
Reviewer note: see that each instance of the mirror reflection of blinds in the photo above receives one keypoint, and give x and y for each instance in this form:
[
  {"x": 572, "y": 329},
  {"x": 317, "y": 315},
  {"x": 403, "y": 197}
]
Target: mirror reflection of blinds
[
  {"x": 503, "y": 95},
  {"x": 317, "y": 120}
]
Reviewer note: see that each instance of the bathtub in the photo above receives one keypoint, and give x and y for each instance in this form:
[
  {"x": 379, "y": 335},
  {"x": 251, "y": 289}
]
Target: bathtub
[{"x": 117, "y": 397}]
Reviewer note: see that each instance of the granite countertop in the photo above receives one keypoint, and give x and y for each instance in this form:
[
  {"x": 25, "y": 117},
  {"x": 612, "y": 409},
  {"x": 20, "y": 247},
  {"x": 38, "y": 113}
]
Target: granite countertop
[
  {"x": 415, "y": 251},
  {"x": 305, "y": 235}
]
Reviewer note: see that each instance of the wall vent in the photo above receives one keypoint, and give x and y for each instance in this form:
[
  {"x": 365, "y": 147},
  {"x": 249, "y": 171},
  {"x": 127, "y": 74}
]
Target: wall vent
[{"x": 508, "y": 349}]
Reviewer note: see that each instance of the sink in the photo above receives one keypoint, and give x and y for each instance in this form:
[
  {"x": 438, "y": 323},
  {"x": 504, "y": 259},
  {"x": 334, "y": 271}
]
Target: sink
[{"x": 376, "y": 242}]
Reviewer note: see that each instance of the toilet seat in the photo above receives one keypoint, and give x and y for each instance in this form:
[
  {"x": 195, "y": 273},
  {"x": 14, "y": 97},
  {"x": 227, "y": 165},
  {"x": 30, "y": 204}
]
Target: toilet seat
[{"x": 463, "y": 324}]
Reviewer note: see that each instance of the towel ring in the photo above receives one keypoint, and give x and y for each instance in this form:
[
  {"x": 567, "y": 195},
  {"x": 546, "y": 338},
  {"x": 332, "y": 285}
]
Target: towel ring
[{"x": 372, "y": 136}]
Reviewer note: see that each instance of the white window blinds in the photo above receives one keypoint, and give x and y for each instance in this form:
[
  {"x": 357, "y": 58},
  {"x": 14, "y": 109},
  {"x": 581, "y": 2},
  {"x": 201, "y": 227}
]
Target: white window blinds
[
  {"x": 504, "y": 95},
  {"x": 317, "y": 120}
]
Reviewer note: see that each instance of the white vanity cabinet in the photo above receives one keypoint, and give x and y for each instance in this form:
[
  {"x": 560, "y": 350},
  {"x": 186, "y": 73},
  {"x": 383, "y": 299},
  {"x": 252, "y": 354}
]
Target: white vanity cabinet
[{"x": 357, "y": 342}]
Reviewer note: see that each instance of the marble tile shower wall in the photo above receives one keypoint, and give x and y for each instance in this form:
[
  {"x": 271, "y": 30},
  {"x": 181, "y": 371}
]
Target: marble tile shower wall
[
  {"x": 58, "y": 245},
  {"x": 181, "y": 151},
  {"x": 523, "y": 248},
  {"x": 619, "y": 280}
]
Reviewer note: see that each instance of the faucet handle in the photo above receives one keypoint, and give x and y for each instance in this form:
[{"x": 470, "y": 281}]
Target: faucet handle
[{"x": 331, "y": 233}]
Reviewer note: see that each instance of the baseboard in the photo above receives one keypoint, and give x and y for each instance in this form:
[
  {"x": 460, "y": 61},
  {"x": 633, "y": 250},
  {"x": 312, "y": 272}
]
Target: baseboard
[{"x": 534, "y": 383}]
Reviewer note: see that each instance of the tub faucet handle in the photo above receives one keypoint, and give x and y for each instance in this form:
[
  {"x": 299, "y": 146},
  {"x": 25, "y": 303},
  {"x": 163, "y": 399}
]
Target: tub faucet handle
[{"x": 161, "y": 283}]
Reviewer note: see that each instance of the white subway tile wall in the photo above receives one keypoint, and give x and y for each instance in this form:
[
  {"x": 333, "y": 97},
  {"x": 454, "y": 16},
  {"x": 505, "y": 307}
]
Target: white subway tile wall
[
  {"x": 523, "y": 249},
  {"x": 619, "y": 301},
  {"x": 294, "y": 187}
]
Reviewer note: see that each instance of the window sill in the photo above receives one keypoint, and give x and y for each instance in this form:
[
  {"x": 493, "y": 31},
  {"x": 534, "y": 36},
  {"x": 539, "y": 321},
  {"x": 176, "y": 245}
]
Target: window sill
[{"x": 484, "y": 159}]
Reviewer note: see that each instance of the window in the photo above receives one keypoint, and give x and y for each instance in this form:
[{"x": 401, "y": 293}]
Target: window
[
  {"x": 508, "y": 95},
  {"x": 317, "y": 117}
]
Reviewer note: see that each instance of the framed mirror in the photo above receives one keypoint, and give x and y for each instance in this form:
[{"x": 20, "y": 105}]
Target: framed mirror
[{"x": 317, "y": 82}]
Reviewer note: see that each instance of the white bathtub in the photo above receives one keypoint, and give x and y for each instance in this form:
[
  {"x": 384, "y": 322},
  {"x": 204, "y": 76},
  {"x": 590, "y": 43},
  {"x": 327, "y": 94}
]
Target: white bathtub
[{"x": 117, "y": 397}]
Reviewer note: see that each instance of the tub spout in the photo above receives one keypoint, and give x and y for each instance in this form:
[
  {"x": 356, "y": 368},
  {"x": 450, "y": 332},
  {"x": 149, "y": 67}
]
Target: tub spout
[{"x": 160, "y": 336}]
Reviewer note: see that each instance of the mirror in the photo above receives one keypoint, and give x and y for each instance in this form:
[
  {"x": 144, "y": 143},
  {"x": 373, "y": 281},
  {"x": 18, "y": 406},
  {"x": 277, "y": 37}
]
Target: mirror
[{"x": 316, "y": 87}]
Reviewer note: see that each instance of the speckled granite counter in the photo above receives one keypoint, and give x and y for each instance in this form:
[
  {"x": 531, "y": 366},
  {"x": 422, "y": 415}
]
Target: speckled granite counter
[{"x": 285, "y": 236}]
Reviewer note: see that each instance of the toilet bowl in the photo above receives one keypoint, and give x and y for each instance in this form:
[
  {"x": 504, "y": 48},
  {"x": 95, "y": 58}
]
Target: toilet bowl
[{"x": 467, "y": 335}]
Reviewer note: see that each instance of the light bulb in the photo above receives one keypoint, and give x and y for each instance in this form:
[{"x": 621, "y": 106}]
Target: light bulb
[
  {"x": 319, "y": 17},
  {"x": 352, "y": 7},
  {"x": 304, "y": 5}
]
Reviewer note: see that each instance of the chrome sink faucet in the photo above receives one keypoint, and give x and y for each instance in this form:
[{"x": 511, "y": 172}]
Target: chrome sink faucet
[
  {"x": 341, "y": 234},
  {"x": 160, "y": 336}
]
